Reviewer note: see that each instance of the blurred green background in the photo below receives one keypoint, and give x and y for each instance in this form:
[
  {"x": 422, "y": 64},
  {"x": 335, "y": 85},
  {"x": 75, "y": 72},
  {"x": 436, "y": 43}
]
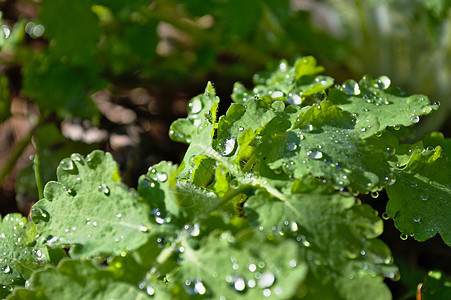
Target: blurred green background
[{"x": 88, "y": 74}]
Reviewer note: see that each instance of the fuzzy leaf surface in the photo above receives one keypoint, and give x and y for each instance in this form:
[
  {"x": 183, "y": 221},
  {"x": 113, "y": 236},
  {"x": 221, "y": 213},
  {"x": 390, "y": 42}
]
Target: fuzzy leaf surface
[{"x": 89, "y": 210}]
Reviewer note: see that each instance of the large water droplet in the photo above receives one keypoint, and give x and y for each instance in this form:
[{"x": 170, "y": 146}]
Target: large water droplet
[
  {"x": 277, "y": 94},
  {"x": 350, "y": 87},
  {"x": 67, "y": 164},
  {"x": 162, "y": 177},
  {"x": 291, "y": 146},
  {"x": 7, "y": 269},
  {"x": 415, "y": 119},
  {"x": 195, "y": 106},
  {"x": 38, "y": 215},
  {"x": 239, "y": 284},
  {"x": 226, "y": 147},
  {"x": 315, "y": 154},
  {"x": 383, "y": 82},
  {"x": 266, "y": 280}
]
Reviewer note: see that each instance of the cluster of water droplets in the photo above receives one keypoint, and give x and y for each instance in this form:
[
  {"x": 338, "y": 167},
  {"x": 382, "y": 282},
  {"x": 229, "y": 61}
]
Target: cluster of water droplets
[{"x": 157, "y": 176}]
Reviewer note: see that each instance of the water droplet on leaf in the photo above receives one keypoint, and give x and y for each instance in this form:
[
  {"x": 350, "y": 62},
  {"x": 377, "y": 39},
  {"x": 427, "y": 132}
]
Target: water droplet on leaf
[
  {"x": 67, "y": 164},
  {"x": 226, "y": 146},
  {"x": 350, "y": 87},
  {"x": 104, "y": 189},
  {"x": 195, "y": 106},
  {"x": 415, "y": 119},
  {"x": 315, "y": 154},
  {"x": 291, "y": 146},
  {"x": 403, "y": 237},
  {"x": 266, "y": 280},
  {"x": 383, "y": 82}
]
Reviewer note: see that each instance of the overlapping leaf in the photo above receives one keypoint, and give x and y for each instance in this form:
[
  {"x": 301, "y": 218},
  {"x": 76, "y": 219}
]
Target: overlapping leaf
[
  {"x": 90, "y": 211},
  {"x": 419, "y": 199},
  {"x": 79, "y": 280},
  {"x": 289, "y": 84},
  {"x": 335, "y": 237},
  {"x": 18, "y": 254},
  {"x": 246, "y": 266}
]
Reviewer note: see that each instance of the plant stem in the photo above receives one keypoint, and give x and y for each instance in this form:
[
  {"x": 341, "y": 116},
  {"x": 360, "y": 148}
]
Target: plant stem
[{"x": 38, "y": 177}]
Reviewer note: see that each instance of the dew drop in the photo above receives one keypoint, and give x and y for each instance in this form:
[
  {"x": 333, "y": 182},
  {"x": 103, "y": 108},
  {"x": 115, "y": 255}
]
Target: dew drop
[
  {"x": 291, "y": 146},
  {"x": 38, "y": 214},
  {"x": 6, "y": 269},
  {"x": 403, "y": 237},
  {"x": 315, "y": 154},
  {"x": 239, "y": 284},
  {"x": 385, "y": 216},
  {"x": 251, "y": 283},
  {"x": 277, "y": 94},
  {"x": 162, "y": 177},
  {"x": 383, "y": 82},
  {"x": 67, "y": 164},
  {"x": 375, "y": 194},
  {"x": 293, "y": 263},
  {"x": 195, "y": 106},
  {"x": 415, "y": 119},
  {"x": 104, "y": 189},
  {"x": 252, "y": 267},
  {"x": 71, "y": 192},
  {"x": 417, "y": 219},
  {"x": 350, "y": 87},
  {"x": 266, "y": 292},
  {"x": 424, "y": 197},
  {"x": 76, "y": 157},
  {"x": 266, "y": 280},
  {"x": 226, "y": 147},
  {"x": 143, "y": 228}
]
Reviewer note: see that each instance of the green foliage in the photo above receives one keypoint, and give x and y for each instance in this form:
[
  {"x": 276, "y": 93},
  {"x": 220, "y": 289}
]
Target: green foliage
[{"x": 263, "y": 203}]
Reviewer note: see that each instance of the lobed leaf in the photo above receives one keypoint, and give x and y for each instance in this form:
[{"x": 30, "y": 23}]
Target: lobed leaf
[
  {"x": 90, "y": 211},
  {"x": 419, "y": 199}
]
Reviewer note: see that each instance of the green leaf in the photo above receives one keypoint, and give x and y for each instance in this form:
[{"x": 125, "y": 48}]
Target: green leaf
[
  {"x": 79, "y": 280},
  {"x": 61, "y": 86},
  {"x": 201, "y": 113},
  {"x": 324, "y": 142},
  {"x": 419, "y": 199},
  {"x": 69, "y": 23},
  {"x": 307, "y": 66},
  {"x": 285, "y": 84},
  {"x": 335, "y": 237},
  {"x": 245, "y": 266},
  {"x": 378, "y": 106},
  {"x": 436, "y": 286},
  {"x": 18, "y": 254},
  {"x": 90, "y": 211}
]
